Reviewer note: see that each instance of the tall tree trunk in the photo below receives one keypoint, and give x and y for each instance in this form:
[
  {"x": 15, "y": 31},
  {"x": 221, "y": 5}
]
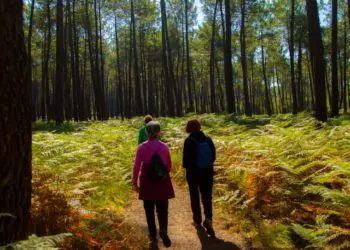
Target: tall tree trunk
[
  {"x": 80, "y": 90},
  {"x": 72, "y": 61},
  {"x": 247, "y": 105},
  {"x": 119, "y": 86},
  {"x": 100, "y": 102},
  {"x": 15, "y": 125},
  {"x": 301, "y": 95},
  {"x": 213, "y": 107},
  {"x": 267, "y": 94},
  {"x": 189, "y": 83},
  {"x": 43, "y": 60},
  {"x": 335, "y": 91},
  {"x": 102, "y": 75},
  {"x": 317, "y": 55},
  {"x": 59, "y": 64},
  {"x": 291, "y": 55},
  {"x": 49, "y": 101},
  {"x": 29, "y": 47},
  {"x": 67, "y": 74},
  {"x": 138, "y": 101},
  {"x": 230, "y": 95},
  {"x": 166, "y": 69},
  {"x": 345, "y": 81}
]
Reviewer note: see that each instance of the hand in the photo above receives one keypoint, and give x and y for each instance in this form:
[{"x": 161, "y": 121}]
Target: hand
[{"x": 136, "y": 188}]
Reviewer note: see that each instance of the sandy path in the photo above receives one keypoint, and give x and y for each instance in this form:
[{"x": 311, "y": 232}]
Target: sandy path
[{"x": 181, "y": 232}]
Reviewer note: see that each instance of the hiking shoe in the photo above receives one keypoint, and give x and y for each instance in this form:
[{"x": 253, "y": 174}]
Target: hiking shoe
[
  {"x": 166, "y": 239},
  {"x": 208, "y": 225}
]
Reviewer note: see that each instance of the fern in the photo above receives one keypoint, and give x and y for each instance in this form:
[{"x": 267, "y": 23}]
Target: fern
[{"x": 39, "y": 243}]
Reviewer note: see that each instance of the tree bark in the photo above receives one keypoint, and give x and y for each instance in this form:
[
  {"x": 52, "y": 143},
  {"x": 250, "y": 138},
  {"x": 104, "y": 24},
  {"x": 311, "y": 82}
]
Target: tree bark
[
  {"x": 345, "y": 81},
  {"x": 266, "y": 84},
  {"x": 247, "y": 105},
  {"x": 29, "y": 47},
  {"x": 59, "y": 64},
  {"x": 189, "y": 83},
  {"x": 15, "y": 125},
  {"x": 119, "y": 86},
  {"x": 230, "y": 95},
  {"x": 291, "y": 55},
  {"x": 213, "y": 107},
  {"x": 317, "y": 55},
  {"x": 335, "y": 90},
  {"x": 166, "y": 67}
]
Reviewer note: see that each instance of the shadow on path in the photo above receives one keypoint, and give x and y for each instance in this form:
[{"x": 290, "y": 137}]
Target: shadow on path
[{"x": 209, "y": 243}]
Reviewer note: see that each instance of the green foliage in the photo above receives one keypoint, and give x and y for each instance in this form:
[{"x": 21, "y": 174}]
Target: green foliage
[
  {"x": 283, "y": 180},
  {"x": 34, "y": 242}
]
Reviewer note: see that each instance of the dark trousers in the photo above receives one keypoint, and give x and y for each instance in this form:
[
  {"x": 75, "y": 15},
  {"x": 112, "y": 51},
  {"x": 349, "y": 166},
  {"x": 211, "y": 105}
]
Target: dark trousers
[
  {"x": 200, "y": 183},
  {"x": 162, "y": 212}
]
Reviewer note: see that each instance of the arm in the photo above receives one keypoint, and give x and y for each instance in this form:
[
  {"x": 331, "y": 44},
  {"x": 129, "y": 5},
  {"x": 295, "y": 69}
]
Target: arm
[
  {"x": 189, "y": 154},
  {"x": 137, "y": 167}
]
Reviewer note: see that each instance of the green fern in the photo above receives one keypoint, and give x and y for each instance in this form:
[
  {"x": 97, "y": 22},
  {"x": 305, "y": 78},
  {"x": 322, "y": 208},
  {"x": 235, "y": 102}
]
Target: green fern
[{"x": 39, "y": 243}]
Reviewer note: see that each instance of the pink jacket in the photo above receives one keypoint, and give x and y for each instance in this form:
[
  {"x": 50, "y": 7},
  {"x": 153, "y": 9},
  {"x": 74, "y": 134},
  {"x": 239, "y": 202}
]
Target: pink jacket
[{"x": 152, "y": 190}]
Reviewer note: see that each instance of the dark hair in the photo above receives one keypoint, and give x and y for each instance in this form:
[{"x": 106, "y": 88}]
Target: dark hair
[
  {"x": 147, "y": 119},
  {"x": 193, "y": 125}
]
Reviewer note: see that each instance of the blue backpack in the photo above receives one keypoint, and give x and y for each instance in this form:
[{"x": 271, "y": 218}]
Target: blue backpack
[{"x": 205, "y": 157}]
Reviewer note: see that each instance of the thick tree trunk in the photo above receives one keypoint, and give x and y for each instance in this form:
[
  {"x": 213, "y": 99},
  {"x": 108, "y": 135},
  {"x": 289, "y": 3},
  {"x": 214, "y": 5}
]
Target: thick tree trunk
[
  {"x": 15, "y": 125},
  {"x": 59, "y": 64},
  {"x": 230, "y": 95},
  {"x": 247, "y": 105},
  {"x": 317, "y": 55},
  {"x": 335, "y": 91}
]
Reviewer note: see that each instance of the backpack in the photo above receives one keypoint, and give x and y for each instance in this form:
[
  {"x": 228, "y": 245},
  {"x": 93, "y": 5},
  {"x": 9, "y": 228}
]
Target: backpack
[
  {"x": 157, "y": 171},
  {"x": 205, "y": 157}
]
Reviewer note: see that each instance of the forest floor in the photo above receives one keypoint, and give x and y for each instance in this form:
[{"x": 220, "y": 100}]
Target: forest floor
[
  {"x": 281, "y": 182},
  {"x": 183, "y": 234}
]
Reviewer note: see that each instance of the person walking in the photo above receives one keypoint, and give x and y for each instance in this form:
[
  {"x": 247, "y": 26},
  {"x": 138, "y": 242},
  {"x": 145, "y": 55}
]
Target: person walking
[
  {"x": 198, "y": 159},
  {"x": 152, "y": 181},
  {"x": 142, "y": 131}
]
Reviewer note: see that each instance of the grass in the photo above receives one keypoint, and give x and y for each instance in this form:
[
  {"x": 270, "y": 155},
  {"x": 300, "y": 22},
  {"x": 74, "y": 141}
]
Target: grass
[{"x": 283, "y": 180}]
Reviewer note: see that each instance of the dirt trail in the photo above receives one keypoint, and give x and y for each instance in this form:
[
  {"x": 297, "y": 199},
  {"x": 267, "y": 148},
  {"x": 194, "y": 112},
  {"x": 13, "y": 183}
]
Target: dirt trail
[{"x": 181, "y": 231}]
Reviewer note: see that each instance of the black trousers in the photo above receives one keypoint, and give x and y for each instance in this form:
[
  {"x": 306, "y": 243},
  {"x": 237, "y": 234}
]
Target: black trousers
[
  {"x": 162, "y": 212},
  {"x": 200, "y": 183}
]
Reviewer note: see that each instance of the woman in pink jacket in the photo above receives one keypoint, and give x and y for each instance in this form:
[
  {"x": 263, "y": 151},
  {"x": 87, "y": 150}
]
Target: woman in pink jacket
[{"x": 155, "y": 194}]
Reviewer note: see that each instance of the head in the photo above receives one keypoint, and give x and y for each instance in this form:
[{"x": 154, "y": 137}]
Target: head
[
  {"x": 193, "y": 125},
  {"x": 147, "y": 119},
  {"x": 153, "y": 129}
]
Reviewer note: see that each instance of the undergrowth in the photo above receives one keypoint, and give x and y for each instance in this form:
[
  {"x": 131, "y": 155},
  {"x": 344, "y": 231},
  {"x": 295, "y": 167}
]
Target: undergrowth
[{"x": 282, "y": 180}]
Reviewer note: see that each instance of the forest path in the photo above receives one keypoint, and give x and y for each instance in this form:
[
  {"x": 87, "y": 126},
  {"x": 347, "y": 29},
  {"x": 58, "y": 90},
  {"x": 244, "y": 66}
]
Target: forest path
[{"x": 181, "y": 231}]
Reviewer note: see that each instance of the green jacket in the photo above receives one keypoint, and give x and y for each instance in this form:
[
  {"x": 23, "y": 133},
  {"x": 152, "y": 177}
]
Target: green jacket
[{"x": 142, "y": 135}]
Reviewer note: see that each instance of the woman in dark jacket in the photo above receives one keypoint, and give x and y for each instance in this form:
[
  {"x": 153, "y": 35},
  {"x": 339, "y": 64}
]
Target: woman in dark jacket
[{"x": 198, "y": 160}]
